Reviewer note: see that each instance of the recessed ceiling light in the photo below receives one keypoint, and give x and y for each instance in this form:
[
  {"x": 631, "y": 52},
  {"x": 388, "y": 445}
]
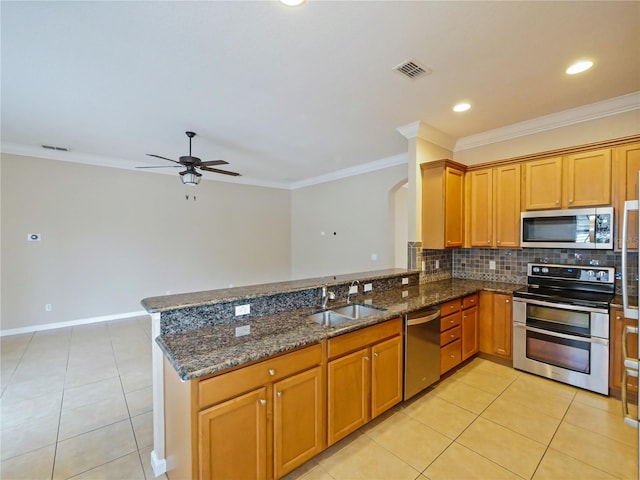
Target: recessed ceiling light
[
  {"x": 461, "y": 107},
  {"x": 292, "y": 3},
  {"x": 579, "y": 67}
]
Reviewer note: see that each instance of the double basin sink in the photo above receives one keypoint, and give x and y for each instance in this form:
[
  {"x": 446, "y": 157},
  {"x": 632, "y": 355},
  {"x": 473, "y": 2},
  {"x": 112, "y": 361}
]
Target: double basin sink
[{"x": 354, "y": 311}]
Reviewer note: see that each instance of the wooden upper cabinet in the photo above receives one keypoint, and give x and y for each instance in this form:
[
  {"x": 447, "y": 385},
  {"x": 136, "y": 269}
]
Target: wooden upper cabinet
[
  {"x": 494, "y": 207},
  {"x": 442, "y": 204},
  {"x": 574, "y": 181},
  {"x": 626, "y": 164},
  {"x": 543, "y": 184},
  {"x": 587, "y": 179}
]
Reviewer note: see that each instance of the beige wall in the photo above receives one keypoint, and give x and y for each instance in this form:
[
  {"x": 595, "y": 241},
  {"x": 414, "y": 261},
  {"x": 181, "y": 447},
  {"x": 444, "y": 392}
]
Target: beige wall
[
  {"x": 111, "y": 237},
  {"x": 357, "y": 209},
  {"x": 606, "y": 128}
]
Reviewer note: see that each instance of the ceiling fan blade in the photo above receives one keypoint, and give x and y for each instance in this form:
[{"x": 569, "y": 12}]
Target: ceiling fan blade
[
  {"x": 211, "y": 163},
  {"x": 223, "y": 172},
  {"x": 163, "y": 158},
  {"x": 164, "y": 166}
]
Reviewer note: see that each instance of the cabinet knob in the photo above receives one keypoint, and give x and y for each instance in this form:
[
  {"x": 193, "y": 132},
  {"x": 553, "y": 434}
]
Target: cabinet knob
[
  {"x": 499, "y": 242},
  {"x": 617, "y": 317},
  {"x": 448, "y": 241},
  {"x": 570, "y": 201},
  {"x": 452, "y": 335},
  {"x": 278, "y": 394},
  {"x": 507, "y": 300},
  {"x": 366, "y": 358},
  {"x": 376, "y": 354},
  {"x": 272, "y": 372},
  {"x": 557, "y": 202},
  {"x": 452, "y": 356},
  {"x": 263, "y": 401},
  {"x": 488, "y": 242}
]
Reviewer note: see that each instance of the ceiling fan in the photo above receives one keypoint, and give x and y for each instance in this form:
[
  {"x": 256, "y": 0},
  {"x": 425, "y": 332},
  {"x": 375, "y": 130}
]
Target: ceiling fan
[{"x": 191, "y": 176}]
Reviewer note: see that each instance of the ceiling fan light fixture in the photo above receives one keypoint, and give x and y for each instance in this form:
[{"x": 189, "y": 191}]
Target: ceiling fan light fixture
[{"x": 190, "y": 178}]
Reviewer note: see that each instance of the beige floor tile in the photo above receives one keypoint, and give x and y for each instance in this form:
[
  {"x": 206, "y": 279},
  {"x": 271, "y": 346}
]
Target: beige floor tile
[
  {"x": 309, "y": 471},
  {"x": 140, "y": 401},
  {"x": 29, "y": 436},
  {"x": 556, "y": 465},
  {"x": 485, "y": 381},
  {"x": 84, "y": 452},
  {"x": 609, "y": 404},
  {"x": 538, "y": 399},
  {"x": 317, "y": 473},
  {"x": 127, "y": 467},
  {"x": 136, "y": 380},
  {"x": 510, "y": 450},
  {"x": 601, "y": 422},
  {"x": 75, "y": 397},
  {"x": 15, "y": 411},
  {"x": 441, "y": 415},
  {"x": 546, "y": 386},
  {"x": 459, "y": 463},
  {"x": 84, "y": 419},
  {"x": 410, "y": 440},
  {"x": 87, "y": 374},
  {"x": 465, "y": 396},
  {"x": 365, "y": 459},
  {"x": 491, "y": 368},
  {"x": 616, "y": 458},
  {"x": 143, "y": 429},
  {"x": 34, "y": 465},
  {"x": 530, "y": 423},
  {"x": 22, "y": 388}
]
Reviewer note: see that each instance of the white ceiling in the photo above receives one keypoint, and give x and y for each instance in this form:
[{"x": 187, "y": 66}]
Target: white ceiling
[{"x": 288, "y": 94}]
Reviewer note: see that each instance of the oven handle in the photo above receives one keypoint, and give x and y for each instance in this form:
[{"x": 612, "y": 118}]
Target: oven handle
[
  {"x": 598, "y": 340},
  {"x": 561, "y": 306}
]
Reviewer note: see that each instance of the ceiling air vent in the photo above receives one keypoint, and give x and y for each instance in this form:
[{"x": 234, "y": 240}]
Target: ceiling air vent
[
  {"x": 412, "y": 69},
  {"x": 51, "y": 147}
]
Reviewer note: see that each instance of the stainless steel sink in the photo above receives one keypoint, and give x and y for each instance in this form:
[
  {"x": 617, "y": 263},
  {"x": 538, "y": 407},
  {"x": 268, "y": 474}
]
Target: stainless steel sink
[
  {"x": 329, "y": 318},
  {"x": 356, "y": 311}
]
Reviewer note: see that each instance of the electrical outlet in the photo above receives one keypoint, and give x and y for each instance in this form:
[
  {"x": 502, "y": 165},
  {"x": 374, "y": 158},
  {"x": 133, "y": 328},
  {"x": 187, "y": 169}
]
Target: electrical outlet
[
  {"x": 243, "y": 330},
  {"x": 243, "y": 309},
  {"x": 48, "y": 307},
  {"x": 492, "y": 264},
  {"x": 353, "y": 289},
  {"x": 405, "y": 281},
  {"x": 368, "y": 287},
  {"x": 437, "y": 264}
]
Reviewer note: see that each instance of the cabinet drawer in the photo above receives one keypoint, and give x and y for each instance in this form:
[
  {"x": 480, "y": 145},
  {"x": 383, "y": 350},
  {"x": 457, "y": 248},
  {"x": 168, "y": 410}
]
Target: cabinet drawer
[
  {"x": 228, "y": 385},
  {"x": 450, "y": 335},
  {"x": 450, "y": 307},
  {"x": 450, "y": 321},
  {"x": 470, "y": 301},
  {"x": 450, "y": 356},
  {"x": 361, "y": 338}
]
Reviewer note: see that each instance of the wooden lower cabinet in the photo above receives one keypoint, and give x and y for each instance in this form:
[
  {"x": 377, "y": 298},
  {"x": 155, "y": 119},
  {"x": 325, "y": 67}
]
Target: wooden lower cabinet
[
  {"x": 495, "y": 324},
  {"x": 618, "y": 324},
  {"x": 364, "y": 376},
  {"x": 257, "y": 422},
  {"x": 469, "y": 336},
  {"x": 458, "y": 331}
]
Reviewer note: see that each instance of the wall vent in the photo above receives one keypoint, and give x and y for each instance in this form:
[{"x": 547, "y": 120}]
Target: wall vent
[
  {"x": 51, "y": 147},
  {"x": 412, "y": 69}
]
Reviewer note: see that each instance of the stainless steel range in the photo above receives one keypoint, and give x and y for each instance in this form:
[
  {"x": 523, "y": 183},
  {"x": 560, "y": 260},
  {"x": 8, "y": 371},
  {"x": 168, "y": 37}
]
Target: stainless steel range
[{"x": 561, "y": 324}]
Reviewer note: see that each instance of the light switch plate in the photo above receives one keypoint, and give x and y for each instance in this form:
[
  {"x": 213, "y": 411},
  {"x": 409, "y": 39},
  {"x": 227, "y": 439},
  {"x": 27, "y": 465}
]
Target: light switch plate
[
  {"x": 353, "y": 289},
  {"x": 368, "y": 287},
  {"x": 405, "y": 281}
]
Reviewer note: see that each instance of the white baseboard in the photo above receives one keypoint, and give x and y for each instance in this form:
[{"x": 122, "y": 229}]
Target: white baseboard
[
  {"x": 159, "y": 465},
  {"x": 71, "y": 323}
]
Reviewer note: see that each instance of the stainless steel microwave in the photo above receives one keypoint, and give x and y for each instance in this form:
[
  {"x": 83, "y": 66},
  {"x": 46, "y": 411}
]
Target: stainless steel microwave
[{"x": 589, "y": 228}]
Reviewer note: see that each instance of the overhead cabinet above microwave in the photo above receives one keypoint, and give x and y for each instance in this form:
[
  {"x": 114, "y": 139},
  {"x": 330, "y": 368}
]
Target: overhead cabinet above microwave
[{"x": 588, "y": 228}]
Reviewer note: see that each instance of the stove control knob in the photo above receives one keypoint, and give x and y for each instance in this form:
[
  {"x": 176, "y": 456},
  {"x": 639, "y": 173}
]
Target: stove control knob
[
  {"x": 603, "y": 275},
  {"x": 591, "y": 274},
  {"x": 536, "y": 269},
  {"x": 545, "y": 270}
]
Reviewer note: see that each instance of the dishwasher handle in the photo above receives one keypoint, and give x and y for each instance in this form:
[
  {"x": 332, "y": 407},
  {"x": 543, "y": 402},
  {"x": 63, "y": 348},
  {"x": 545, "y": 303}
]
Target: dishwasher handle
[{"x": 421, "y": 318}]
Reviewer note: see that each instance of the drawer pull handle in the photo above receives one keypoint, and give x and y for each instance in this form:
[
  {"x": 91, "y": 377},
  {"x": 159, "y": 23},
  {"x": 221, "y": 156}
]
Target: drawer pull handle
[
  {"x": 272, "y": 372},
  {"x": 263, "y": 401}
]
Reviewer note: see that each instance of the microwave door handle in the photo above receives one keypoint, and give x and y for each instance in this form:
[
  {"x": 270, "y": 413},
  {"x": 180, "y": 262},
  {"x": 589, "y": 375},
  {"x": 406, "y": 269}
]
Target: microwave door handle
[
  {"x": 592, "y": 229},
  {"x": 629, "y": 205}
]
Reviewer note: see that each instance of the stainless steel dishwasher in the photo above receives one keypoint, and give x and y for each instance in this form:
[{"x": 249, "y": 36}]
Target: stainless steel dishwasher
[{"x": 421, "y": 350}]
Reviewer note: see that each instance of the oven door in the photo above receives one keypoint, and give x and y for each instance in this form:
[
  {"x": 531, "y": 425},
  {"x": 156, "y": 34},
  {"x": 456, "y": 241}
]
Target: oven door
[{"x": 549, "y": 340}]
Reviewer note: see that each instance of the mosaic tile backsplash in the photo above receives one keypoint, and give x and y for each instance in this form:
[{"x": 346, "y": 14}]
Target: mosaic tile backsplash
[{"x": 511, "y": 265}]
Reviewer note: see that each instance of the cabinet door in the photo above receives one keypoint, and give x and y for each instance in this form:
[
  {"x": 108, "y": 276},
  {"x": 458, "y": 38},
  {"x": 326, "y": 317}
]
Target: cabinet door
[
  {"x": 502, "y": 324},
  {"x": 227, "y": 451},
  {"x": 453, "y": 208},
  {"x": 618, "y": 323},
  {"x": 587, "y": 179},
  {"x": 507, "y": 206},
  {"x": 543, "y": 184},
  {"x": 348, "y": 383},
  {"x": 386, "y": 375},
  {"x": 469, "y": 332},
  {"x": 298, "y": 420},
  {"x": 627, "y": 163},
  {"x": 481, "y": 207}
]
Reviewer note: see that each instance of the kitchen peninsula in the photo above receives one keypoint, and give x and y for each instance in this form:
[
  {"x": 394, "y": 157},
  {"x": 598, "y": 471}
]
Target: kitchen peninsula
[{"x": 197, "y": 334}]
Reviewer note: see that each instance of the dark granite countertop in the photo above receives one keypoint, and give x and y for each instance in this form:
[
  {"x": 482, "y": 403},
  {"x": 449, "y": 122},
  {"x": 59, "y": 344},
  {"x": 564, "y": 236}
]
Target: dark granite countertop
[
  {"x": 617, "y": 301},
  {"x": 210, "y": 297},
  {"x": 212, "y": 349}
]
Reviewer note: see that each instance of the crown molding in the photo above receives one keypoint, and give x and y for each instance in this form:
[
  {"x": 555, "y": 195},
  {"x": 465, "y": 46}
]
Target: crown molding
[
  {"x": 426, "y": 132},
  {"x": 585, "y": 113},
  {"x": 395, "y": 160}
]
